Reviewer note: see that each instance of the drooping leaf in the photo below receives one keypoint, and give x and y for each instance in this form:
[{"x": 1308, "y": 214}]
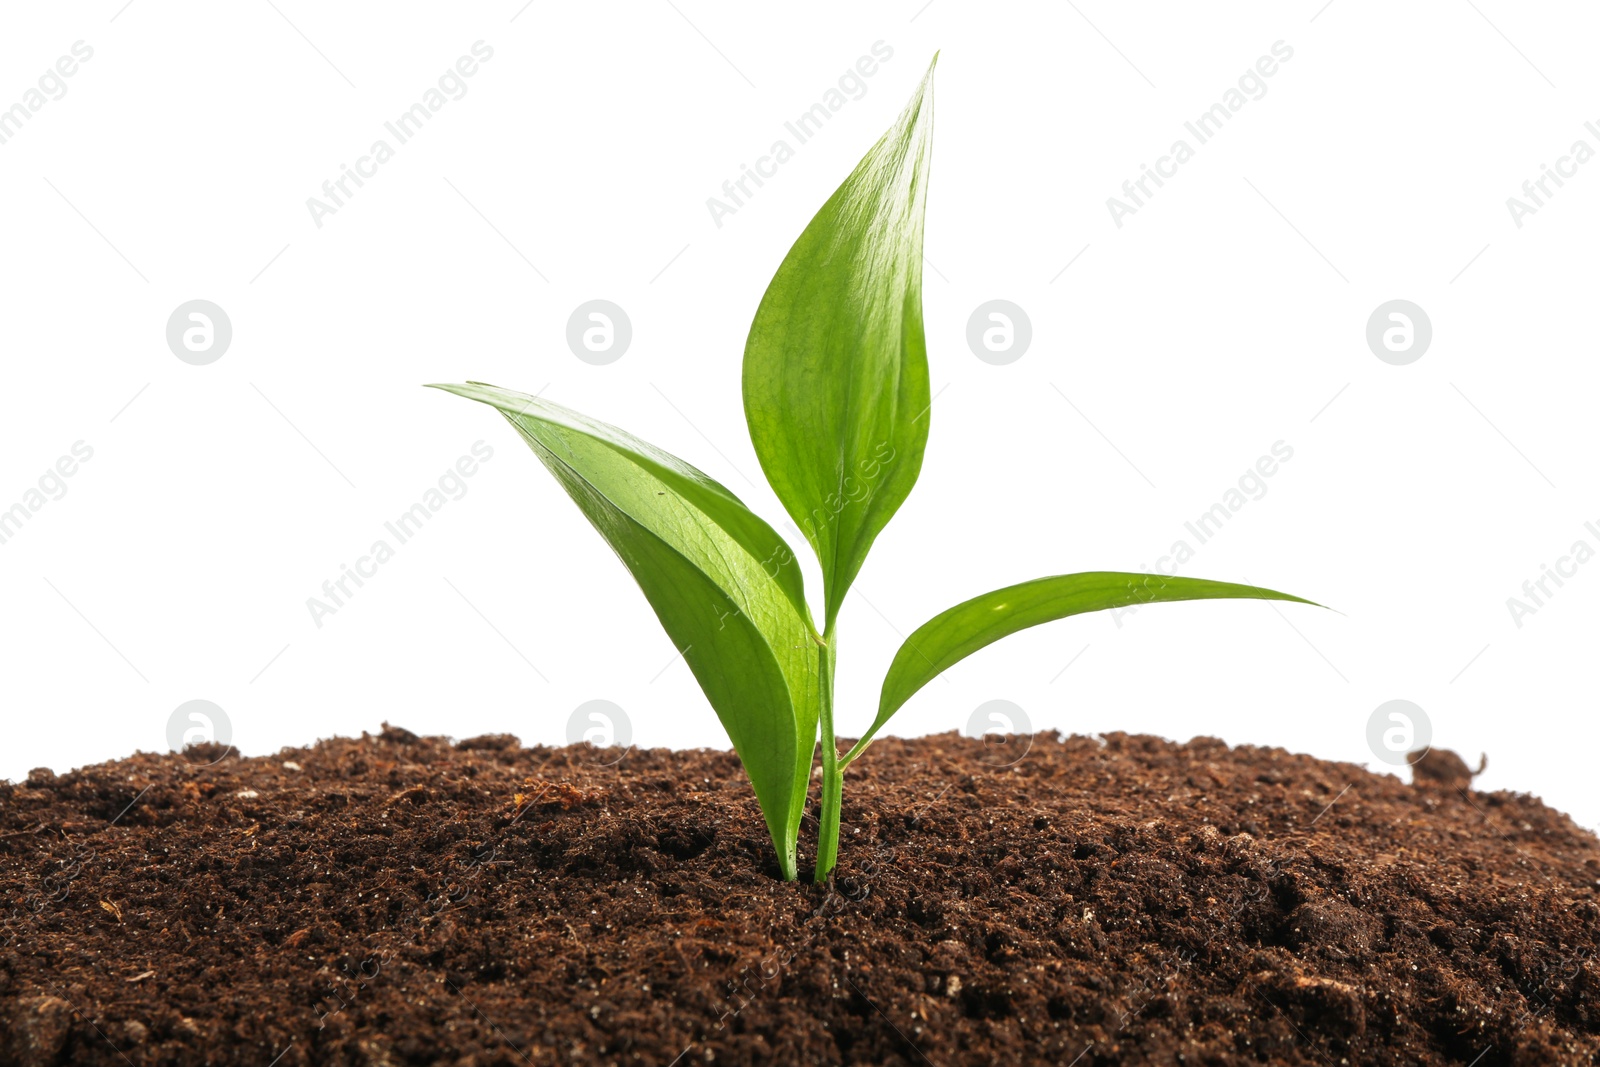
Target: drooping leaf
[
  {"x": 722, "y": 582},
  {"x": 835, "y": 367},
  {"x": 953, "y": 635}
]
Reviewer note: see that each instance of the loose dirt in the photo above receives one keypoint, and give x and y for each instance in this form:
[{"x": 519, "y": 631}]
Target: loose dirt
[{"x": 394, "y": 900}]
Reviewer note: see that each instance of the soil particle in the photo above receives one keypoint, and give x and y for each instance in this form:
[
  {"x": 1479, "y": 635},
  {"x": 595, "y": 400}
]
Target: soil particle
[
  {"x": 37, "y": 1030},
  {"x": 400, "y": 900},
  {"x": 1332, "y": 927},
  {"x": 1441, "y": 767}
]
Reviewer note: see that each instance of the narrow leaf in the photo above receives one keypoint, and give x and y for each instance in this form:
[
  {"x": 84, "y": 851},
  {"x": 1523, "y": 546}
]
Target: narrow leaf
[
  {"x": 722, "y": 582},
  {"x": 835, "y": 368},
  {"x": 953, "y": 635}
]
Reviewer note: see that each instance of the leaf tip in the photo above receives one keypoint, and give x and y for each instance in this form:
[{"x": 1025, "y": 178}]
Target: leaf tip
[{"x": 466, "y": 390}]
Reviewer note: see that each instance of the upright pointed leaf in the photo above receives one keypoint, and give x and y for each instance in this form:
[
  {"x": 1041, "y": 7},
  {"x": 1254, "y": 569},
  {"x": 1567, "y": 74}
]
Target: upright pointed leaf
[
  {"x": 835, "y": 368},
  {"x": 723, "y": 583},
  {"x": 953, "y": 635}
]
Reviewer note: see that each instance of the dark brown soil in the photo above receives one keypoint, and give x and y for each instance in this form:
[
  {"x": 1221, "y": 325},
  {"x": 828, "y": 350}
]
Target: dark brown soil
[{"x": 403, "y": 900}]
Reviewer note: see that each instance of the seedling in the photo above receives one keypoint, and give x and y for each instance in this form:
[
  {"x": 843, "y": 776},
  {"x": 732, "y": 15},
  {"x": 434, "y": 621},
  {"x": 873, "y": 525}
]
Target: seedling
[{"x": 836, "y": 398}]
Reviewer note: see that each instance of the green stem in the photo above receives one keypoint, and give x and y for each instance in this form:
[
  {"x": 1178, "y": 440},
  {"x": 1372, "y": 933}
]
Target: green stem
[{"x": 832, "y": 772}]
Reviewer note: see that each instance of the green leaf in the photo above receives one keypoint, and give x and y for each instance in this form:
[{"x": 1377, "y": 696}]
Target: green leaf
[
  {"x": 835, "y": 368},
  {"x": 723, "y": 583},
  {"x": 953, "y": 635}
]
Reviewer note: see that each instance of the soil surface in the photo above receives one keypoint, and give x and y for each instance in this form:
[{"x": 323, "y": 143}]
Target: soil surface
[{"x": 395, "y": 900}]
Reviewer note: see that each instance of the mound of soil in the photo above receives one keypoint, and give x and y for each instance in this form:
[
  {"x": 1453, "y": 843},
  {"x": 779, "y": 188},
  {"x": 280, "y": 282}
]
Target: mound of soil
[{"x": 396, "y": 899}]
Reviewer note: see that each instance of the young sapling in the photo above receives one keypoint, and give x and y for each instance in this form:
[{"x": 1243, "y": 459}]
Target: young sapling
[{"x": 836, "y": 398}]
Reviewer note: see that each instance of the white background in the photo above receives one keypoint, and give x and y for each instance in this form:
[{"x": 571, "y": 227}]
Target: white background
[{"x": 1229, "y": 313}]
